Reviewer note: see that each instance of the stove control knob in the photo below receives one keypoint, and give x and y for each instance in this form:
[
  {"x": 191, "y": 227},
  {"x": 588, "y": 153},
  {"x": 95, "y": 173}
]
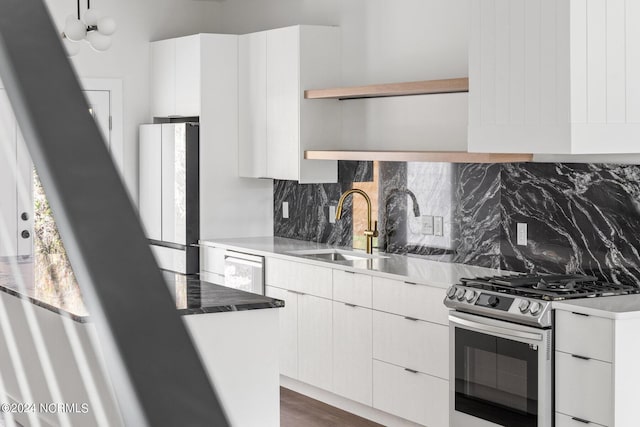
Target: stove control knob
[
  {"x": 470, "y": 295},
  {"x": 535, "y": 308},
  {"x": 493, "y": 301},
  {"x": 524, "y": 305},
  {"x": 460, "y": 294},
  {"x": 451, "y": 292}
]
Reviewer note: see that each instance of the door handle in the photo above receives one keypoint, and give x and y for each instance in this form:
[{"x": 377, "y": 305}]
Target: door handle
[
  {"x": 24, "y": 216},
  {"x": 580, "y": 420},
  {"x": 25, "y": 234}
]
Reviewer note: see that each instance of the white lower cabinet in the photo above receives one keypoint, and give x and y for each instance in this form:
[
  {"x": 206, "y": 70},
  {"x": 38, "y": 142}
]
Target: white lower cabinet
[
  {"x": 411, "y": 343},
  {"x": 583, "y": 388},
  {"x": 352, "y": 355},
  {"x": 393, "y": 357},
  {"x": 414, "y": 396},
  {"x": 288, "y": 330},
  {"x": 315, "y": 341}
]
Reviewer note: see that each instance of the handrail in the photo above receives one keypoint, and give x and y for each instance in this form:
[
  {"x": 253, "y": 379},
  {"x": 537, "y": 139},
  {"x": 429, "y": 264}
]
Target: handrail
[{"x": 158, "y": 377}]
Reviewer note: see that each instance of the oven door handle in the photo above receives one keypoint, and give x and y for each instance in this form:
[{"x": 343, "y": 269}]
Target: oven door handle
[{"x": 482, "y": 327}]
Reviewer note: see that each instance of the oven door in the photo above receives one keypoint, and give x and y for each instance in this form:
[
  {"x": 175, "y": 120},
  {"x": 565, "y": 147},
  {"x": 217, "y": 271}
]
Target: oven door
[{"x": 500, "y": 373}]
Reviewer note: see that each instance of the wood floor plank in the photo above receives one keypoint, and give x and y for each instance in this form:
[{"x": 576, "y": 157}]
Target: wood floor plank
[{"x": 297, "y": 410}]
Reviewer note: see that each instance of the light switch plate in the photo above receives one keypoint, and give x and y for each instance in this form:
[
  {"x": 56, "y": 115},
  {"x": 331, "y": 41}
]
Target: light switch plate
[
  {"x": 332, "y": 214},
  {"x": 285, "y": 210},
  {"x": 522, "y": 234},
  {"x": 438, "y": 226},
  {"x": 427, "y": 225}
]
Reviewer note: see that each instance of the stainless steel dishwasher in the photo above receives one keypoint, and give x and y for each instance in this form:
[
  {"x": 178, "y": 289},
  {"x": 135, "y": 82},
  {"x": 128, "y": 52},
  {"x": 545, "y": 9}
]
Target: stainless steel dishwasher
[{"x": 244, "y": 271}]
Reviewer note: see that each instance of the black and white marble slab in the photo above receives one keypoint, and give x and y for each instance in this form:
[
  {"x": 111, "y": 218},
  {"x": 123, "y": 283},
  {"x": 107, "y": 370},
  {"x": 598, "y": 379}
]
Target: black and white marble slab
[{"x": 581, "y": 217}]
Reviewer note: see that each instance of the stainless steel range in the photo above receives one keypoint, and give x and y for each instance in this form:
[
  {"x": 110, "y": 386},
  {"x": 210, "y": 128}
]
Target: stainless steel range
[{"x": 501, "y": 346}]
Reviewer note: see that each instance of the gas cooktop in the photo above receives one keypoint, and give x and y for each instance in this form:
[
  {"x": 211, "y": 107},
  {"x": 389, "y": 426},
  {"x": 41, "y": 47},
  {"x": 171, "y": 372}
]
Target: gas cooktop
[{"x": 526, "y": 298}]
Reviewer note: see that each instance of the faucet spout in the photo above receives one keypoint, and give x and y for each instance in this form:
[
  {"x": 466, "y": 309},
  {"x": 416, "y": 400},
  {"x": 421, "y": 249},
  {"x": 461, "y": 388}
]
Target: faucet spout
[
  {"x": 371, "y": 231},
  {"x": 392, "y": 193}
]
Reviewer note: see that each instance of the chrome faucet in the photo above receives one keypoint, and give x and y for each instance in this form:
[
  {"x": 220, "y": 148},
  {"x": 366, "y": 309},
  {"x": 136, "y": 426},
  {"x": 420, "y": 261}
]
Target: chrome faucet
[
  {"x": 392, "y": 193},
  {"x": 370, "y": 232}
]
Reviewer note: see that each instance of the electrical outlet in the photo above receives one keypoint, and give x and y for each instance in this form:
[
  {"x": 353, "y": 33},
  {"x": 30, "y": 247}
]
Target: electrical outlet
[
  {"x": 285, "y": 210},
  {"x": 522, "y": 234},
  {"x": 438, "y": 226},
  {"x": 332, "y": 214},
  {"x": 427, "y": 225}
]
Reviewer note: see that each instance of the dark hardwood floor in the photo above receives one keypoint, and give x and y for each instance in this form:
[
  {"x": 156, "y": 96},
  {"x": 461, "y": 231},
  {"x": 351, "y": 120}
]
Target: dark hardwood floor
[{"x": 297, "y": 410}]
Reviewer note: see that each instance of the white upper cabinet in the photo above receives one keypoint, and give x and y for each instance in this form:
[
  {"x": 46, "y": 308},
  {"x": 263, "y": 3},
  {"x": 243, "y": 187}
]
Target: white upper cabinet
[
  {"x": 554, "y": 76},
  {"x": 277, "y": 124},
  {"x": 175, "y": 77}
]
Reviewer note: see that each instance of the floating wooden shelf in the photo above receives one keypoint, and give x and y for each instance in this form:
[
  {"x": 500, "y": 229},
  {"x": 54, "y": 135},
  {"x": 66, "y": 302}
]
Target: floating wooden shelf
[
  {"x": 424, "y": 87},
  {"x": 419, "y": 156}
]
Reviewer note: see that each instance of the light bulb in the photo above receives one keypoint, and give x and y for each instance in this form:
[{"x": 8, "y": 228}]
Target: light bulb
[
  {"x": 91, "y": 17},
  {"x": 98, "y": 41},
  {"x": 107, "y": 26},
  {"x": 74, "y": 29},
  {"x": 72, "y": 48}
]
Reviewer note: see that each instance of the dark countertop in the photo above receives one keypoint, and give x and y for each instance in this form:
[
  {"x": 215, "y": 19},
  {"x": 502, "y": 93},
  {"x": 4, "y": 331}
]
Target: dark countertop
[{"x": 192, "y": 295}]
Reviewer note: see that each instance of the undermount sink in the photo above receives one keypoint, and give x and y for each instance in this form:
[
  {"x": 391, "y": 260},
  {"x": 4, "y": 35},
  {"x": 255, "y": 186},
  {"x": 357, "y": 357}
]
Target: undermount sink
[{"x": 336, "y": 255}]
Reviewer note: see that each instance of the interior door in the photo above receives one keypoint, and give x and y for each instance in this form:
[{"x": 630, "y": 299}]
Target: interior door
[
  {"x": 100, "y": 108},
  {"x": 8, "y": 199}
]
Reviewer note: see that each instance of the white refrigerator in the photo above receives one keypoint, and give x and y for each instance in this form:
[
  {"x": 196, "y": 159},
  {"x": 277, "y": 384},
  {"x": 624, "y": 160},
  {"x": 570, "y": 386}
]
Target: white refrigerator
[{"x": 169, "y": 193}]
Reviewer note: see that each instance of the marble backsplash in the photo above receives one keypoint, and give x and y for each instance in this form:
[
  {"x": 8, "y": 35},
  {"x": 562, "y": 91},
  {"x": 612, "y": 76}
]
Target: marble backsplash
[{"x": 580, "y": 217}]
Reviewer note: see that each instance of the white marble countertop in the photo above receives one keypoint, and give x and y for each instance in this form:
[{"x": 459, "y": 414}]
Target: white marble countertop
[
  {"x": 617, "y": 307},
  {"x": 399, "y": 267}
]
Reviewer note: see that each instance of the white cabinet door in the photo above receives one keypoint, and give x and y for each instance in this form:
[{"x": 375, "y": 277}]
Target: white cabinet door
[
  {"x": 151, "y": 180},
  {"x": 288, "y": 336},
  {"x": 315, "y": 341},
  {"x": 352, "y": 287},
  {"x": 163, "y": 78},
  {"x": 187, "y": 77},
  {"x": 8, "y": 200},
  {"x": 252, "y": 91},
  {"x": 297, "y": 276},
  {"x": 587, "y": 336},
  {"x": 411, "y": 343},
  {"x": 417, "y": 397},
  {"x": 283, "y": 103},
  {"x": 408, "y": 299},
  {"x": 584, "y": 388},
  {"x": 352, "y": 376}
]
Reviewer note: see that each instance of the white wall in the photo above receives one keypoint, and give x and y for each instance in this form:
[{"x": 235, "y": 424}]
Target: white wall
[
  {"x": 383, "y": 40},
  {"x": 139, "y": 21}
]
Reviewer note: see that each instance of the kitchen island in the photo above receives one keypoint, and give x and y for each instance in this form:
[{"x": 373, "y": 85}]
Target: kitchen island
[{"x": 50, "y": 352}]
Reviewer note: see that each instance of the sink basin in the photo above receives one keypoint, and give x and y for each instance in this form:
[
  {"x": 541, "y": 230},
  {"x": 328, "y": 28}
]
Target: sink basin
[{"x": 336, "y": 255}]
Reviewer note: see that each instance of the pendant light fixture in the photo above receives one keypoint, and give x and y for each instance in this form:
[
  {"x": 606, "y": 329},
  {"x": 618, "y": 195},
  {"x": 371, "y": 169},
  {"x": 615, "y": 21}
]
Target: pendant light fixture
[{"x": 93, "y": 28}]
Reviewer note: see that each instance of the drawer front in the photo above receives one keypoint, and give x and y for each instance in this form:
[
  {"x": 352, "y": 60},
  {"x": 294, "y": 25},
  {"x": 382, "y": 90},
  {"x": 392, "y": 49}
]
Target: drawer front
[
  {"x": 413, "y": 344},
  {"x": 419, "y": 301},
  {"x": 212, "y": 260},
  {"x": 584, "y": 388},
  {"x": 587, "y": 336},
  {"x": 563, "y": 420},
  {"x": 351, "y": 287},
  {"x": 417, "y": 397},
  {"x": 299, "y": 277}
]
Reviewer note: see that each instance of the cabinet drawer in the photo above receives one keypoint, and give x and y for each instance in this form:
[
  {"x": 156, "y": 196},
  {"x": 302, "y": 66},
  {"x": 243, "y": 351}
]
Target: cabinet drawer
[
  {"x": 419, "y": 301},
  {"x": 413, "y": 344},
  {"x": 563, "y": 420},
  {"x": 300, "y": 277},
  {"x": 212, "y": 260},
  {"x": 417, "y": 397},
  {"x": 351, "y": 287},
  {"x": 584, "y": 388},
  {"x": 587, "y": 336}
]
